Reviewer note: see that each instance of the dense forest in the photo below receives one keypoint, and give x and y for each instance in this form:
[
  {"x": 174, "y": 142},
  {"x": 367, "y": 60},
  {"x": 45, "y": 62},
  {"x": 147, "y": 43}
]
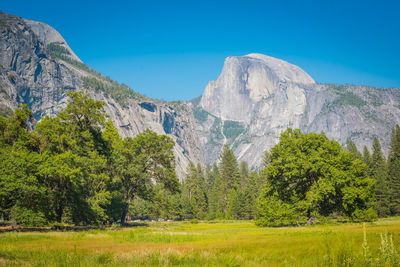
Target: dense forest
[{"x": 75, "y": 168}]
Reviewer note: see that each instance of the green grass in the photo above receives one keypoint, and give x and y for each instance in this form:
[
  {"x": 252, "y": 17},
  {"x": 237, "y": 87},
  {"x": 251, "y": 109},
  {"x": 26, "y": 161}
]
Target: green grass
[{"x": 230, "y": 243}]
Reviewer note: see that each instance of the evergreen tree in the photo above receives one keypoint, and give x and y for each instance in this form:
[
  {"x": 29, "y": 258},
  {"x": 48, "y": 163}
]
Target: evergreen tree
[
  {"x": 367, "y": 158},
  {"x": 379, "y": 173},
  {"x": 351, "y": 147},
  {"x": 229, "y": 174},
  {"x": 215, "y": 195},
  {"x": 394, "y": 171},
  {"x": 244, "y": 173},
  {"x": 266, "y": 159},
  {"x": 251, "y": 192},
  {"x": 195, "y": 185},
  {"x": 209, "y": 180},
  {"x": 236, "y": 205}
]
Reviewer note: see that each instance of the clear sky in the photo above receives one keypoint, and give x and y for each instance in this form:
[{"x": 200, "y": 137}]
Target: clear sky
[{"x": 171, "y": 49}]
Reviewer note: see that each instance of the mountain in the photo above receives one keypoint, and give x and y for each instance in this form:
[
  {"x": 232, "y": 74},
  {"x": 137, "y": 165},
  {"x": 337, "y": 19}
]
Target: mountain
[
  {"x": 256, "y": 97},
  {"x": 37, "y": 66}
]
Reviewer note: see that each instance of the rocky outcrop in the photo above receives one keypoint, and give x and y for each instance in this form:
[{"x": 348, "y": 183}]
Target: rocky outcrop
[
  {"x": 246, "y": 81},
  {"x": 257, "y": 97},
  {"x": 252, "y": 102},
  {"x": 49, "y": 35},
  {"x": 29, "y": 74}
]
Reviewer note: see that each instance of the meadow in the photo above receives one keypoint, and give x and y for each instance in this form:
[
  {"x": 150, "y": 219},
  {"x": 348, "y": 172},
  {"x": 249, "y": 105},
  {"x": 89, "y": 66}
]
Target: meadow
[{"x": 228, "y": 243}]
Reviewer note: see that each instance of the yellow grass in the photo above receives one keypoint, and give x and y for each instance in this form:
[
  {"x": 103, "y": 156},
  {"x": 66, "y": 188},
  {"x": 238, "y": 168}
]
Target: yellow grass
[{"x": 203, "y": 244}]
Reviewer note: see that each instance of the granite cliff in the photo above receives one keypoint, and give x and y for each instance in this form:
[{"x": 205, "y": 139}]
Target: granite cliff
[
  {"x": 256, "y": 97},
  {"x": 37, "y": 66}
]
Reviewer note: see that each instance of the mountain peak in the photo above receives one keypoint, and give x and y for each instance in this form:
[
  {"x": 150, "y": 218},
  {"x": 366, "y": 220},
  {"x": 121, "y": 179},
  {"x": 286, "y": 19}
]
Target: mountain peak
[
  {"x": 247, "y": 80},
  {"x": 48, "y": 35},
  {"x": 284, "y": 70}
]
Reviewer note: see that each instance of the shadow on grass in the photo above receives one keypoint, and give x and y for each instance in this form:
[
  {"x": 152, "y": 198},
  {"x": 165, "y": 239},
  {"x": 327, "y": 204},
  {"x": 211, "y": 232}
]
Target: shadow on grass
[
  {"x": 58, "y": 228},
  {"x": 135, "y": 224}
]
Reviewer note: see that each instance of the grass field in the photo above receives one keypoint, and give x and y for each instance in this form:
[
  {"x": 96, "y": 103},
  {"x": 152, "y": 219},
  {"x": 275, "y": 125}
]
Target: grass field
[{"x": 207, "y": 244}]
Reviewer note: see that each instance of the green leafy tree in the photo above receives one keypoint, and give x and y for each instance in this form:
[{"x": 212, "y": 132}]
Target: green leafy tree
[
  {"x": 273, "y": 212},
  {"x": 74, "y": 162},
  {"x": 312, "y": 173},
  {"x": 20, "y": 187},
  {"x": 76, "y": 168},
  {"x": 139, "y": 162}
]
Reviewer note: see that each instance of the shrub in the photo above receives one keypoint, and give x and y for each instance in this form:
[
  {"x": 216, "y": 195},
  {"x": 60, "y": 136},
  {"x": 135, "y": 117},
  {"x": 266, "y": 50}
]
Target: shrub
[
  {"x": 274, "y": 212},
  {"x": 26, "y": 217},
  {"x": 365, "y": 215},
  {"x": 5, "y": 223}
]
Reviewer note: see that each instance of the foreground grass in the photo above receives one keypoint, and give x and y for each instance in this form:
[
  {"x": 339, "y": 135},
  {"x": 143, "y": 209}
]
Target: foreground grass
[{"x": 207, "y": 244}]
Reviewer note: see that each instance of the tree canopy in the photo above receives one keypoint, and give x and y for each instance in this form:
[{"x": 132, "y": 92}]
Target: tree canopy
[
  {"x": 75, "y": 167},
  {"x": 310, "y": 175}
]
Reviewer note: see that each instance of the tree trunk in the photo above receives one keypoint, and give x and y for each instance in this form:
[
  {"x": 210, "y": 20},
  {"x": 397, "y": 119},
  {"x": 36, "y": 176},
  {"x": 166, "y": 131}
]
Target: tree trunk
[
  {"x": 124, "y": 213},
  {"x": 59, "y": 213}
]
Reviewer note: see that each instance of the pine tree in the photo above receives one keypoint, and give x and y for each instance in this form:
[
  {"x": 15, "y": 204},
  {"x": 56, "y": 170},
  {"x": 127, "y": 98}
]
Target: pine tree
[
  {"x": 229, "y": 174},
  {"x": 236, "y": 205},
  {"x": 209, "y": 180},
  {"x": 367, "y": 158},
  {"x": 394, "y": 171},
  {"x": 244, "y": 173},
  {"x": 195, "y": 185},
  {"x": 379, "y": 173},
  {"x": 351, "y": 147},
  {"x": 215, "y": 195}
]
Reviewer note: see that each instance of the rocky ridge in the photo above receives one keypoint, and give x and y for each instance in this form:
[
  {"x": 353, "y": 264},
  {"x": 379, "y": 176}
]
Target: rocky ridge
[
  {"x": 257, "y": 97},
  {"x": 34, "y": 73}
]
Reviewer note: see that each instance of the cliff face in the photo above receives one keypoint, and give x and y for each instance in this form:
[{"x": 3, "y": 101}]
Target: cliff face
[
  {"x": 249, "y": 80},
  {"x": 257, "y": 97},
  {"x": 37, "y": 66}
]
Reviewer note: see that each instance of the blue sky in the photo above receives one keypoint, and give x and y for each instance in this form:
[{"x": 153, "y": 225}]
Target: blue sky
[{"x": 171, "y": 49}]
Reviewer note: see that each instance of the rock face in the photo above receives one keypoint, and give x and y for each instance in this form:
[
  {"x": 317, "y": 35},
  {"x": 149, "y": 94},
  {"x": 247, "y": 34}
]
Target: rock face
[
  {"x": 257, "y": 97},
  {"x": 253, "y": 101},
  {"x": 49, "y": 35},
  {"x": 29, "y": 74},
  {"x": 246, "y": 81}
]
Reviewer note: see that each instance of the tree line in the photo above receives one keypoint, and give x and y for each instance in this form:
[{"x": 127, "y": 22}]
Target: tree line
[
  {"x": 306, "y": 177},
  {"x": 75, "y": 168}
]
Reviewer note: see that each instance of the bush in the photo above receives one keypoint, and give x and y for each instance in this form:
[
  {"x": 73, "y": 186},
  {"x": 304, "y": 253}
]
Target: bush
[
  {"x": 273, "y": 212},
  {"x": 366, "y": 215},
  {"x": 5, "y": 223},
  {"x": 27, "y": 217}
]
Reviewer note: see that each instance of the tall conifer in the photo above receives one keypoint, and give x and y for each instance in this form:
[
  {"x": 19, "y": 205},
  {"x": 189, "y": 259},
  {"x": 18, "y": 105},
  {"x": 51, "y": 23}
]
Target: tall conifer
[
  {"x": 394, "y": 171},
  {"x": 379, "y": 173}
]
